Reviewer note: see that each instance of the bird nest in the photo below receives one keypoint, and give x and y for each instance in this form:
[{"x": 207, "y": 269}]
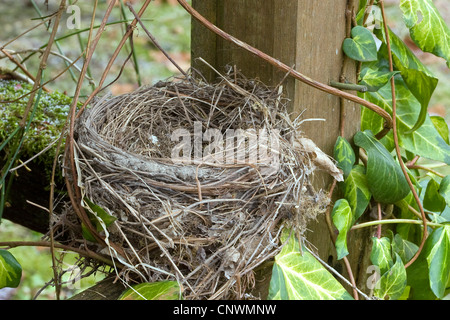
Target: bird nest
[{"x": 200, "y": 178}]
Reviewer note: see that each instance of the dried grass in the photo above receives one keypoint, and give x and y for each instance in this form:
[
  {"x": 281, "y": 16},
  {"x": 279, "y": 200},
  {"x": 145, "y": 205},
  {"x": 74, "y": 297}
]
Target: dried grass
[{"x": 207, "y": 224}]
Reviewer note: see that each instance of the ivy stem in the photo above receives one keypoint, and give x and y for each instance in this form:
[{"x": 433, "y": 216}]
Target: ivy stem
[
  {"x": 416, "y": 166},
  {"x": 397, "y": 148},
  {"x": 391, "y": 221},
  {"x": 379, "y": 218}
]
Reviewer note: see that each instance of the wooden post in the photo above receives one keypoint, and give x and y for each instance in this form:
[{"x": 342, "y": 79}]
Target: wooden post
[{"x": 308, "y": 36}]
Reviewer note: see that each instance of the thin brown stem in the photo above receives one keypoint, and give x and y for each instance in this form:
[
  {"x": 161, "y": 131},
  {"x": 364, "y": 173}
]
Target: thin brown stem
[
  {"x": 84, "y": 253},
  {"x": 397, "y": 148},
  {"x": 153, "y": 39},
  {"x": 379, "y": 218}
]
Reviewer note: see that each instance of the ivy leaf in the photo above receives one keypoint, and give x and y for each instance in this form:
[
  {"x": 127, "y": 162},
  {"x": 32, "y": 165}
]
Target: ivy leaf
[
  {"x": 344, "y": 155},
  {"x": 392, "y": 283},
  {"x": 375, "y": 79},
  {"x": 99, "y": 217},
  {"x": 427, "y": 28},
  {"x": 361, "y": 46},
  {"x": 441, "y": 126},
  {"x": 299, "y": 276},
  {"x": 162, "y": 290},
  {"x": 419, "y": 80},
  {"x": 342, "y": 217},
  {"x": 356, "y": 191},
  {"x": 381, "y": 254},
  {"x": 404, "y": 248},
  {"x": 425, "y": 141},
  {"x": 10, "y": 270},
  {"x": 444, "y": 189},
  {"x": 384, "y": 175},
  {"x": 438, "y": 258},
  {"x": 432, "y": 199}
]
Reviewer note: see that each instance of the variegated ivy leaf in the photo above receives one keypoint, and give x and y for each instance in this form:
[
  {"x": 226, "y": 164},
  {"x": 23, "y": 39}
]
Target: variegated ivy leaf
[
  {"x": 392, "y": 283},
  {"x": 375, "y": 79},
  {"x": 356, "y": 191},
  {"x": 381, "y": 254},
  {"x": 297, "y": 275},
  {"x": 361, "y": 46},
  {"x": 162, "y": 290},
  {"x": 441, "y": 126},
  {"x": 344, "y": 155},
  {"x": 427, "y": 28},
  {"x": 10, "y": 270},
  {"x": 438, "y": 258}
]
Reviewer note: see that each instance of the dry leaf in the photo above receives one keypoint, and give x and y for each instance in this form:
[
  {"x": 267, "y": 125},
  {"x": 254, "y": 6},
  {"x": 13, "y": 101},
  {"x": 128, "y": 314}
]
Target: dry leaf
[{"x": 319, "y": 158}]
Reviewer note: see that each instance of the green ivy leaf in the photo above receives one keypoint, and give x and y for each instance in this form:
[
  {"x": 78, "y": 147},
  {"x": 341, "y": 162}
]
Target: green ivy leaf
[
  {"x": 100, "y": 215},
  {"x": 10, "y": 270},
  {"x": 361, "y": 46},
  {"x": 299, "y": 276},
  {"x": 384, "y": 175},
  {"x": 444, "y": 189},
  {"x": 342, "y": 217},
  {"x": 404, "y": 248},
  {"x": 344, "y": 155},
  {"x": 427, "y": 28},
  {"x": 419, "y": 80},
  {"x": 356, "y": 191},
  {"x": 375, "y": 79},
  {"x": 392, "y": 283},
  {"x": 99, "y": 218},
  {"x": 163, "y": 290},
  {"x": 438, "y": 258},
  {"x": 381, "y": 254},
  {"x": 441, "y": 126},
  {"x": 432, "y": 199},
  {"x": 425, "y": 141}
]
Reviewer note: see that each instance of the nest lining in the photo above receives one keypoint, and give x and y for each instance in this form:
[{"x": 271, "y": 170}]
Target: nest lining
[{"x": 207, "y": 223}]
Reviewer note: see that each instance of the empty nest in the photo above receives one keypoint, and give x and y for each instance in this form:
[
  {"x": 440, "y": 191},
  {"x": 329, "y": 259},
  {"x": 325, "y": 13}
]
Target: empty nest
[{"x": 205, "y": 221}]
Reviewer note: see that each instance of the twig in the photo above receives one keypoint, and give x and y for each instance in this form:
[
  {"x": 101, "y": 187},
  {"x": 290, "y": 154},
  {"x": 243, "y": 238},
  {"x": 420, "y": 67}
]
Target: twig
[
  {"x": 22, "y": 67},
  {"x": 153, "y": 39},
  {"x": 416, "y": 166},
  {"x": 297, "y": 75},
  {"x": 84, "y": 253},
  {"x": 397, "y": 148}
]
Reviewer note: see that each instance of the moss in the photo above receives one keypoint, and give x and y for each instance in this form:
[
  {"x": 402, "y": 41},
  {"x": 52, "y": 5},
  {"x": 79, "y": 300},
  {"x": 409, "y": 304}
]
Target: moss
[{"x": 45, "y": 127}]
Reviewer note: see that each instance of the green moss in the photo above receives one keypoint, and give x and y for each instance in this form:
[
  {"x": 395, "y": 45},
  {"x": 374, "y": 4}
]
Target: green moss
[{"x": 45, "y": 127}]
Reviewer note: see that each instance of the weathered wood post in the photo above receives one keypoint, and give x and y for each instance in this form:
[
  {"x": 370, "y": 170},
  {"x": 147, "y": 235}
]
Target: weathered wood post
[{"x": 306, "y": 35}]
